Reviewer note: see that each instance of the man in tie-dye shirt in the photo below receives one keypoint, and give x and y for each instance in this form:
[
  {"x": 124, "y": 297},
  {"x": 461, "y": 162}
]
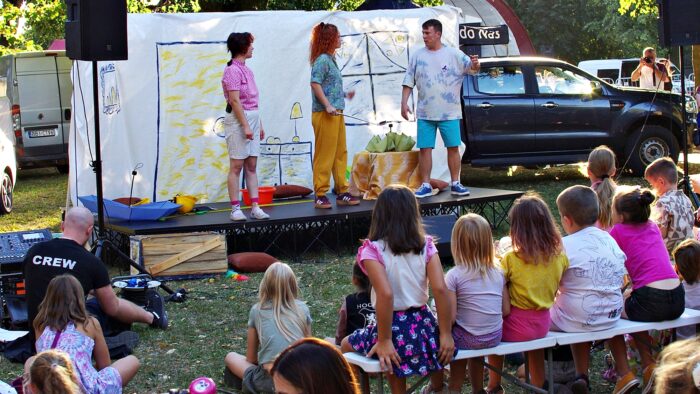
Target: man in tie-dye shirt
[{"x": 437, "y": 72}]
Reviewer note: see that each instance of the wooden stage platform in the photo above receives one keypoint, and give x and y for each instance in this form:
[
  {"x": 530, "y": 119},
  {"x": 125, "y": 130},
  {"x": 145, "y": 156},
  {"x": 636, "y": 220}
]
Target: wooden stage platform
[{"x": 295, "y": 227}]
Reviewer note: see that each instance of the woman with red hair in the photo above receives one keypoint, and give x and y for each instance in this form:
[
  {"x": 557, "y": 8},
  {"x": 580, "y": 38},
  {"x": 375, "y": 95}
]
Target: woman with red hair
[{"x": 330, "y": 153}]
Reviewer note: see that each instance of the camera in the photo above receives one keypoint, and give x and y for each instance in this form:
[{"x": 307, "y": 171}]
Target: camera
[{"x": 647, "y": 60}]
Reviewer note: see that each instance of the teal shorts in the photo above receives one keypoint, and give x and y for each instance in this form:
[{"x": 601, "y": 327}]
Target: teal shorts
[{"x": 449, "y": 130}]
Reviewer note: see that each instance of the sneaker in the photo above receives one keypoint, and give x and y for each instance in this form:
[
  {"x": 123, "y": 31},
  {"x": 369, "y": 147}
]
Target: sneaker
[
  {"x": 346, "y": 199},
  {"x": 424, "y": 191},
  {"x": 231, "y": 380},
  {"x": 155, "y": 305},
  {"x": 258, "y": 213},
  {"x": 648, "y": 376},
  {"x": 458, "y": 190},
  {"x": 322, "y": 202},
  {"x": 123, "y": 343},
  {"x": 238, "y": 215},
  {"x": 626, "y": 384},
  {"x": 580, "y": 385}
]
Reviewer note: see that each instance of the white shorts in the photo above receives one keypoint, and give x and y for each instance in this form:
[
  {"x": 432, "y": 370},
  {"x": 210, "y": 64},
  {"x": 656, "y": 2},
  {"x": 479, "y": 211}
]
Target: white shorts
[{"x": 239, "y": 147}]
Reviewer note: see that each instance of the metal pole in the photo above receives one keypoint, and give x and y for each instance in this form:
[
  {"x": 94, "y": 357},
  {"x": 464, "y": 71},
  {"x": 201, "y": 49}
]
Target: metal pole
[
  {"x": 686, "y": 178},
  {"x": 97, "y": 164}
]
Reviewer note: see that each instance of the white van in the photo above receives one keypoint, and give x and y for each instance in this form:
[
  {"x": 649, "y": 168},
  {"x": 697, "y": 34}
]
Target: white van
[
  {"x": 38, "y": 88},
  {"x": 619, "y": 72},
  {"x": 8, "y": 162}
]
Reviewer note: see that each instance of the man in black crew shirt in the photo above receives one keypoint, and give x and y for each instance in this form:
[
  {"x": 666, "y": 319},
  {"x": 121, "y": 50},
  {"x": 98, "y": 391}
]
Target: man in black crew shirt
[{"x": 67, "y": 255}]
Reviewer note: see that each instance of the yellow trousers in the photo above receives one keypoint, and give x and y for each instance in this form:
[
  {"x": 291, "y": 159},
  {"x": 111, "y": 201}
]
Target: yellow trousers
[{"x": 330, "y": 152}]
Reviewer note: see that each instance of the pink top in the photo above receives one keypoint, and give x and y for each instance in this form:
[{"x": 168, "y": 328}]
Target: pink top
[
  {"x": 647, "y": 258},
  {"x": 407, "y": 273},
  {"x": 239, "y": 77}
]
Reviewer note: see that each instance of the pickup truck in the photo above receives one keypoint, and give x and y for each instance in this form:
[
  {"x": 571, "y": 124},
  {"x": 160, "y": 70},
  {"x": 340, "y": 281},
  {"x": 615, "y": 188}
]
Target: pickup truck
[{"x": 538, "y": 111}]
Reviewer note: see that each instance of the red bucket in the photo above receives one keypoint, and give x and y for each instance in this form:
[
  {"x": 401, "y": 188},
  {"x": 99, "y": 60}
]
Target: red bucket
[{"x": 265, "y": 194}]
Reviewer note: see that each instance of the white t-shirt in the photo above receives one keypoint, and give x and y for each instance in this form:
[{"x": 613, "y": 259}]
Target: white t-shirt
[
  {"x": 479, "y": 299},
  {"x": 692, "y": 301},
  {"x": 589, "y": 297},
  {"x": 438, "y": 76},
  {"x": 646, "y": 79},
  {"x": 407, "y": 273}
]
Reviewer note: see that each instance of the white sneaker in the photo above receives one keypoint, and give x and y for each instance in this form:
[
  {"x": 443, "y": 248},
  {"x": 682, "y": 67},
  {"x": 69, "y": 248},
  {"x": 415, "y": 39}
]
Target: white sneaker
[
  {"x": 258, "y": 213},
  {"x": 238, "y": 216}
]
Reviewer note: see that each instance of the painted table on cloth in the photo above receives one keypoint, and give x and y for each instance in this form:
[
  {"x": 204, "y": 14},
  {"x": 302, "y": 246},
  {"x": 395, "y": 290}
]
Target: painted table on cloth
[{"x": 371, "y": 172}]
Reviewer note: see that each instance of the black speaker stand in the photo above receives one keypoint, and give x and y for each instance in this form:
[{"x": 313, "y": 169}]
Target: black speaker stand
[
  {"x": 103, "y": 243},
  {"x": 686, "y": 159}
]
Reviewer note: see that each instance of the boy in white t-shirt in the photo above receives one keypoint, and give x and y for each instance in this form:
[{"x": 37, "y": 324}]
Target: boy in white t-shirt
[{"x": 590, "y": 296}]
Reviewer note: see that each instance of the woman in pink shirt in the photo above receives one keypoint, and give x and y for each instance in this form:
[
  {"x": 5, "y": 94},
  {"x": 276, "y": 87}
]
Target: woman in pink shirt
[
  {"x": 242, "y": 125},
  {"x": 657, "y": 293}
]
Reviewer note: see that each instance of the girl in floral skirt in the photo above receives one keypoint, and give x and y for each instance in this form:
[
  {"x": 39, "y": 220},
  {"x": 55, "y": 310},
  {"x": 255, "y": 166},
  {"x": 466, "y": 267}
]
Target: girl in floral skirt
[{"x": 400, "y": 261}]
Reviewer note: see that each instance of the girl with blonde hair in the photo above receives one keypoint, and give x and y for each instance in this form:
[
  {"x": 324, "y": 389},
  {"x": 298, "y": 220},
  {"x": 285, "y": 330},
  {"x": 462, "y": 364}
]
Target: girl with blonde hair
[
  {"x": 478, "y": 296},
  {"x": 276, "y": 321},
  {"x": 62, "y": 323},
  {"x": 51, "y": 372},
  {"x": 601, "y": 170},
  {"x": 679, "y": 368}
]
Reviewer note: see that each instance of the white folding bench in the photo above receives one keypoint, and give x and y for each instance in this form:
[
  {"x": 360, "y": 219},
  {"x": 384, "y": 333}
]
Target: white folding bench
[{"x": 688, "y": 318}]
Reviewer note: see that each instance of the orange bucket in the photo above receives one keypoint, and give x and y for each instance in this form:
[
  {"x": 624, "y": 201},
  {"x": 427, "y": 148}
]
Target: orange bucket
[{"x": 265, "y": 194}]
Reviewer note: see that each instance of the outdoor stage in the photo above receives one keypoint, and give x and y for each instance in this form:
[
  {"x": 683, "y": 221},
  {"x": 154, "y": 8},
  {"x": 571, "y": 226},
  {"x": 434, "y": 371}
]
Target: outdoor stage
[{"x": 295, "y": 227}]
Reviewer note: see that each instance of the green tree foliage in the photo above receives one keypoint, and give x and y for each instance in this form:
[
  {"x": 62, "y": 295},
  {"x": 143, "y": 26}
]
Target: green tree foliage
[
  {"x": 638, "y": 7},
  {"x": 43, "y": 21},
  {"x": 575, "y": 30},
  {"x": 12, "y": 38},
  {"x": 306, "y": 5}
]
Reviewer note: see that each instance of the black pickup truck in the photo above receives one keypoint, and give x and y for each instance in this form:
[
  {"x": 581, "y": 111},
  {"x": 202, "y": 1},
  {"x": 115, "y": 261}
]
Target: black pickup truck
[{"x": 539, "y": 111}]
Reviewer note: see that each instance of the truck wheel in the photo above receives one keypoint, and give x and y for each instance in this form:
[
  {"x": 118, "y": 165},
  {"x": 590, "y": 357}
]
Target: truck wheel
[
  {"x": 6, "y": 193},
  {"x": 645, "y": 146}
]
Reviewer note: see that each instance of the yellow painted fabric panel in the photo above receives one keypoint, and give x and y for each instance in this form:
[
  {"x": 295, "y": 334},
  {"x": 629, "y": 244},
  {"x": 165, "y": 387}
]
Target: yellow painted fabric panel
[{"x": 371, "y": 172}]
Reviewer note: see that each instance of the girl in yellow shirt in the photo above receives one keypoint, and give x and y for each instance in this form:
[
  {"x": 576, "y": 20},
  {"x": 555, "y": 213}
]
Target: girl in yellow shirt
[{"x": 532, "y": 271}]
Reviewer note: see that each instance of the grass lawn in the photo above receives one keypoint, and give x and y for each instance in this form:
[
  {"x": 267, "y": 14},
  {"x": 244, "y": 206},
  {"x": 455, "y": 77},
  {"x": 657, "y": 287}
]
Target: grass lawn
[{"x": 213, "y": 321}]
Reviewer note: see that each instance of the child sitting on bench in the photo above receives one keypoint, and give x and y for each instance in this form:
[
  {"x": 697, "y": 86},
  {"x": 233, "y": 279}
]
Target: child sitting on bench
[
  {"x": 672, "y": 211},
  {"x": 656, "y": 294},
  {"x": 357, "y": 310},
  {"x": 537, "y": 258},
  {"x": 687, "y": 257},
  {"x": 478, "y": 298},
  {"x": 400, "y": 260},
  {"x": 589, "y": 296}
]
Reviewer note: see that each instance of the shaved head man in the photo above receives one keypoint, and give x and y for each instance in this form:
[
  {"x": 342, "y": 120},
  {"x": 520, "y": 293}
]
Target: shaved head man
[{"x": 67, "y": 255}]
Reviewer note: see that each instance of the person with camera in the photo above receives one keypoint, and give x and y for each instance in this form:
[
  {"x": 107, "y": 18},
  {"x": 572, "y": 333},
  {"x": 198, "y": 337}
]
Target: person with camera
[{"x": 650, "y": 73}]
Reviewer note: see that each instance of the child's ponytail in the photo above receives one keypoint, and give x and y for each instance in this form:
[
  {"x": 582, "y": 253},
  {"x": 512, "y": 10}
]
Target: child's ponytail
[
  {"x": 633, "y": 203},
  {"x": 601, "y": 165},
  {"x": 52, "y": 373}
]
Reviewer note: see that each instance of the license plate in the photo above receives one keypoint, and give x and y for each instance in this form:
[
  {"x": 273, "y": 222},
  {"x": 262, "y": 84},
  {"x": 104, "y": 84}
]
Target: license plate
[{"x": 42, "y": 133}]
